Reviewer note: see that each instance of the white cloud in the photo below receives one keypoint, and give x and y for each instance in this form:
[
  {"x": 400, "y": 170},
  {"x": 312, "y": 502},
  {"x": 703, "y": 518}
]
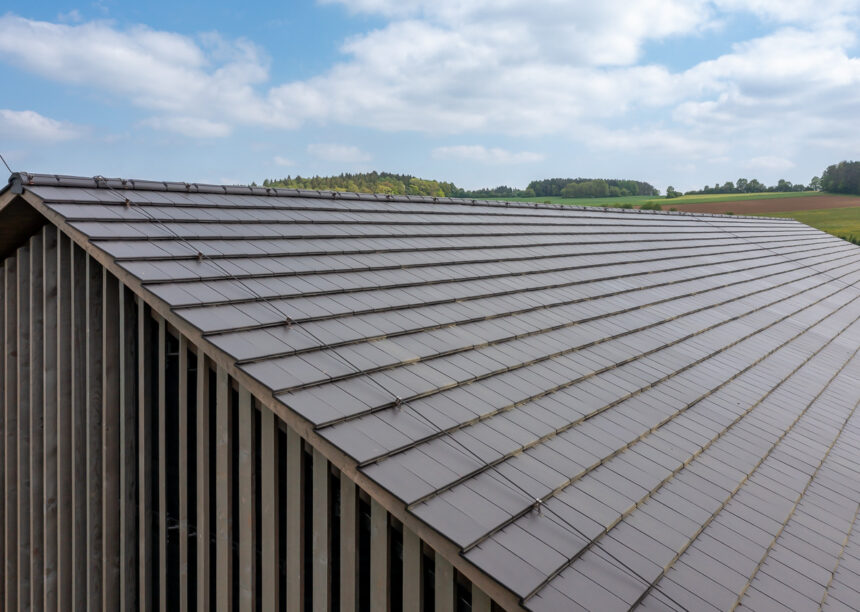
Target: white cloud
[
  {"x": 30, "y": 125},
  {"x": 770, "y": 162},
  {"x": 610, "y": 32},
  {"x": 339, "y": 153},
  {"x": 569, "y": 70},
  {"x": 282, "y": 161},
  {"x": 73, "y": 16},
  {"x": 798, "y": 11},
  {"x": 785, "y": 91},
  {"x": 208, "y": 79},
  {"x": 486, "y": 155},
  {"x": 194, "y": 127}
]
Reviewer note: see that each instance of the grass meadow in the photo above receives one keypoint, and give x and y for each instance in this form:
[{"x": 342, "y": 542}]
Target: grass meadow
[
  {"x": 665, "y": 203},
  {"x": 734, "y": 197},
  {"x": 634, "y": 200},
  {"x": 838, "y": 221}
]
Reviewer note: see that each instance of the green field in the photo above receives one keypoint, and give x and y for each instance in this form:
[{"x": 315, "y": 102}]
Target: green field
[
  {"x": 838, "y": 221},
  {"x": 733, "y": 197},
  {"x": 639, "y": 200},
  {"x": 634, "y": 200}
]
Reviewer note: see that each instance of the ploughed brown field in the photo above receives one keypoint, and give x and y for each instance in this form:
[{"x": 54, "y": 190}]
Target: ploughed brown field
[{"x": 750, "y": 207}]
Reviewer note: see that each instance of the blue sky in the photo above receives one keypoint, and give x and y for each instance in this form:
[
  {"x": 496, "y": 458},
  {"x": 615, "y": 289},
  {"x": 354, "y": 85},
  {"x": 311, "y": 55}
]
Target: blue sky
[{"x": 489, "y": 92}]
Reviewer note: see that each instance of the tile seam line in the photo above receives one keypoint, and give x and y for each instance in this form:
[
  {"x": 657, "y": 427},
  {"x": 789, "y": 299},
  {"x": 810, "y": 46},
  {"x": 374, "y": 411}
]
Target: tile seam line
[
  {"x": 360, "y": 373},
  {"x": 839, "y": 559},
  {"x": 752, "y": 233},
  {"x": 698, "y": 453},
  {"x": 526, "y": 510},
  {"x": 796, "y": 247},
  {"x": 466, "y": 222},
  {"x": 466, "y": 262},
  {"x": 444, "y": 282},
  {"x": 346, "y": 315},
  {"x": 313, "y": 273},
  {"x": 371, "y": 251},
  {"x": 758, "y": 464},
  {"x": 411, "y": 305},
  {"x": 617, "y": 452},
  {"x": 438, "y": 250},
  {"x": 591, "y": 212},
  {"x": 526, "y": 290},
  {"x": 562, "y": 304},
  {"x": 596, "y": 545},
  {"x": 707, "y": 222},
  {"x": 806, "y": 487}
]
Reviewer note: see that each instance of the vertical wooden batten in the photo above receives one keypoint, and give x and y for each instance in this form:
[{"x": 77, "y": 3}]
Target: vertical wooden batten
[
  {"x": 37, "y": 411},
  {"x": 24, "y": 508},
  {"x": 162, "y": 462},
  {"x": 203, "y": 492},
  {"x": 269, "y": 512},
  {"x": 223, "y": 501},
  {"x": 94, "y": 473},
  {"x": 412, "y": 578},
  {"x": 379, "y": 561},
  {"x": 321, "y": 524},
  {"x": 65, "y": 410},
  {"x": 481, "y": 602},
  {"x": 444, "y": 585},
  {"x": 128, "y": 352},
  {"x": 11, "y": 442},
  {"x": 183, "y": 473},
  {"x": 295, "y": 531},
  {"x": 111, "y": 441},
  {"x": 50, "y": 416},
  {"x": 245, "y": 490},
  {"x": 3, "y": 308},
  {"x": 80, "y": 561},
  {"x": 348, "y": 545},
  {"x": 144, "y": 447}
]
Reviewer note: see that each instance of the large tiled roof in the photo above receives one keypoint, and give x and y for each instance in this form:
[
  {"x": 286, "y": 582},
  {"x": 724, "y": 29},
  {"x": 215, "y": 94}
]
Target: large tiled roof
[{"x": 600, "y": 408}]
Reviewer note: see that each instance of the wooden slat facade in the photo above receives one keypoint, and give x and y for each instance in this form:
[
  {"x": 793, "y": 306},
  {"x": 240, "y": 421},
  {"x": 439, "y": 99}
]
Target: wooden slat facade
[{"x": 105, "y": 508}]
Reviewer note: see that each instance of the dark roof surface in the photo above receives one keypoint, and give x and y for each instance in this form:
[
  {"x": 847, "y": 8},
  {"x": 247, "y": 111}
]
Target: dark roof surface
[{"x": 679, "y": 391}]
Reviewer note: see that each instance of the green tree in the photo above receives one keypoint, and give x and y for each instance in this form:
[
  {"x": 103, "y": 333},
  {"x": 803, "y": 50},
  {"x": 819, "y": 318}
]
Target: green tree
[
  {"x": 755, "y": 186},
  {"x": 843, "y": 177}
]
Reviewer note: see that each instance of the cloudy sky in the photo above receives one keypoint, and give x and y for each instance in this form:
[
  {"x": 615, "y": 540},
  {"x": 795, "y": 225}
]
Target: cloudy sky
[{"x": 485, "y": 92}]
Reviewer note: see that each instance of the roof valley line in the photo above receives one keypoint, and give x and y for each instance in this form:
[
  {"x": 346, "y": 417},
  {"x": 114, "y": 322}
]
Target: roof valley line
[{"x": 600, "y": 409}]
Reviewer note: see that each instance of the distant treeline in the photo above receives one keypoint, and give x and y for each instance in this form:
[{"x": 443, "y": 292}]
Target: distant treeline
[
  {"x": 405, "y": 184},
  {"x": 754, "y": 186},
  {"x": 843, "y": 177},
  {"x": 586, "y": 188},
  {"x": 370, "y": 182}
]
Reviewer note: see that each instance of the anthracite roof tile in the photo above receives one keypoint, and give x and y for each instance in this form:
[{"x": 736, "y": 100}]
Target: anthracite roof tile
[{"x": 597, "y": 405}]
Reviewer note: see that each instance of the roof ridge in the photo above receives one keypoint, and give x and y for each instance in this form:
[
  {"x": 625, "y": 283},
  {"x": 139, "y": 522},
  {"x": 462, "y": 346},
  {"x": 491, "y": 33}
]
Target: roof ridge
[{"x": 19, "y": 180}]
